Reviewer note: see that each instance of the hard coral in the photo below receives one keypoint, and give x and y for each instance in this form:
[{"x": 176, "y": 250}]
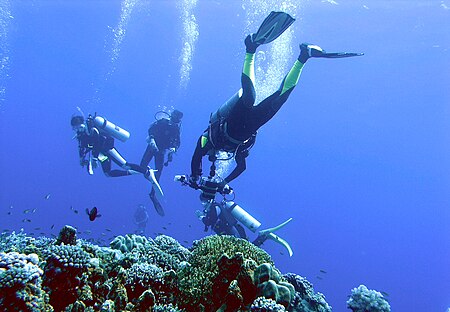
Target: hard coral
[
  {"x": 196, "y": 281},
  {"x": 364, "y": 300},
  {"x": 20, "y": 283},
  {"x": 262, "y": 304},
  {"x": 305, "y": 299}
]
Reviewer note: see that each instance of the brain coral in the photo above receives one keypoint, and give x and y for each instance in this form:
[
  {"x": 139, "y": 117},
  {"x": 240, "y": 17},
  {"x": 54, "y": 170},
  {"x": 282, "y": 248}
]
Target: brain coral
[{"x": 196, "y": 280}]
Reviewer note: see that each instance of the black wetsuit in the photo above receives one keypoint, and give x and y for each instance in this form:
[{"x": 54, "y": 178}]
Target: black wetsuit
[
  {"x": 102, "y": 148},
  {"x": 233, "y": 127},
  {"x": 166, "y": 135}
]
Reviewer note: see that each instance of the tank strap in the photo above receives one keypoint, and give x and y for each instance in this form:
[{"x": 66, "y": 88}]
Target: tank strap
[{"x": 228, "y": 137}]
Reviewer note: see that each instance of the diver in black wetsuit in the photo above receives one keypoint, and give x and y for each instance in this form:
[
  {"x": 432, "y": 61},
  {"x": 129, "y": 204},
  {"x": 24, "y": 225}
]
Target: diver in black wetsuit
[
  {"x": 163, "y": 135},
  {"x": 96, "y": 144},
  {"x": 233, "y": 127}
]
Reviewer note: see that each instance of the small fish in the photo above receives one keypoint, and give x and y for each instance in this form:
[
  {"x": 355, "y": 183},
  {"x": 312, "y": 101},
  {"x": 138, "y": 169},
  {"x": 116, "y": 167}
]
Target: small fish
[
  {"x": 164, "y": 228},
  {"x": 76, "y": 211},
  {"x": 9, "y": 213},
  {"x": 103, "y": 234},
  {"x": 71, "y": 207},
  {"x": 281, "y": 253},
  {"x": 186, "y": 242},
  {"x": 37, "y": 228},
  {"x": 27, "y": 211},
  {"x": 26, "y": 220},
  {"x": 34, "y": 210},
  {"x": 11, "y": 207},
  {"x": 42, "y": 233},
  {"x": 190, "y": 225},
  {"x": 88, "y": 231},
  {"x": 108, "y": 230},
  {"x": 93, "y": 214},
  {"x": 51, "y": 228},
  {"x": 323, "y": 271},
  {"x": 385, "y": 294},
  {"x": 318, "y": 277},
  {"x": 47, "y": 196}
]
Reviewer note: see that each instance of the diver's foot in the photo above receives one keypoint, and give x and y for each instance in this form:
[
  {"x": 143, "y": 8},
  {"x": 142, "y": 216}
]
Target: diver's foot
[
  {"x": 250, "y": 46},
  {"x": 308, "y": 50}
]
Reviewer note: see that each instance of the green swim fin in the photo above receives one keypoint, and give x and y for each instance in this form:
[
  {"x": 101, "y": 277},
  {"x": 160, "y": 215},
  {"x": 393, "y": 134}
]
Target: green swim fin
[{"x": 272, "y": 27}]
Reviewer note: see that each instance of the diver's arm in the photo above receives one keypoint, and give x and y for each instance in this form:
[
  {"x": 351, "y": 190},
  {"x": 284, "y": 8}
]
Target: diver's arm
[
  {"x": 196, "y": 161},
  {"x": 241, "y": 165},
  {"x": 176, "y": 141}
]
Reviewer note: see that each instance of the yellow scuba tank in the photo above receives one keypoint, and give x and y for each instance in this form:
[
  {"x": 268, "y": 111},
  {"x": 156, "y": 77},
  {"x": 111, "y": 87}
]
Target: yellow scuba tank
[{"x": 110, "y": 128}]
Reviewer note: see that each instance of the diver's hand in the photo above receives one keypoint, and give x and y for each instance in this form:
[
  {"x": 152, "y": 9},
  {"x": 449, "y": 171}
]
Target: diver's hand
[
  {"x": 225, "y": 188},
  {"x": 170, "y": 154},
  {"x": 193, "y": 181},
  {"x": 152, "y": 143},
  {"x": 84, "y": 162}
]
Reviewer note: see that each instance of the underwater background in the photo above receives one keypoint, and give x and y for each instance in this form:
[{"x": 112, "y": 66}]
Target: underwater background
[{"x": 358, "y": 156}]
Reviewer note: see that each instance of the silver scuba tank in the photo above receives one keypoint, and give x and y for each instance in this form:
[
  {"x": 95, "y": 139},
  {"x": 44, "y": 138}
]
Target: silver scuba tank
[
  {"x": 226, "y": 107},
  {"x": 242, "y": 216},
  {"x": 110, "y": 128}
]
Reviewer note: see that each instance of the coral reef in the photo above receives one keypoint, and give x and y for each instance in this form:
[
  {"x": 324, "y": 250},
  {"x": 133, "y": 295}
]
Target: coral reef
[
  {"x": 364, "y": 300},
  {"x": 262, "y": 304},
  {"x": 67, "y": 236},
  {"x": 137, "y": 273},
  {"x": 232, "y": 257},
  {"x": 20, "y": 283},
  {"x": 305, "y": 299}
]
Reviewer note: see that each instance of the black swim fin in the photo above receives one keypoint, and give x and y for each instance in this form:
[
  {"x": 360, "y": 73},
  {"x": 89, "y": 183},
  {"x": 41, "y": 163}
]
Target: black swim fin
[
  {"x": 272, "y": 27},
  {"x": 339, "y": 54},
  {"x": 315, "y": 51}
]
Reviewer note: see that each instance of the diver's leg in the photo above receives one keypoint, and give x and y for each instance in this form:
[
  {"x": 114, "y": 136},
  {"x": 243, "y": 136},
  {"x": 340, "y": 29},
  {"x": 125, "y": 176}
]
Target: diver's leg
[
  {"x": 147, "y": 157},
  {"x": 115, "y": 156},
  {"x": 159, "y": 164},
  {"x": 248, "y": 73},
  {"x": 265, "y": 110}
]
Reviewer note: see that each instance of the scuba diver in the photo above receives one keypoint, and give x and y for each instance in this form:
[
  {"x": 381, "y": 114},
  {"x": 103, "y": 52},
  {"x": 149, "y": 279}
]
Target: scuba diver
[
  {"x": 140, "y": 218},
  {"x": 96, "y": 144},
  {"x": 227, "y": 217},
  {"x": 163, "y": 135},
  {"x": 233, "y": 127}
]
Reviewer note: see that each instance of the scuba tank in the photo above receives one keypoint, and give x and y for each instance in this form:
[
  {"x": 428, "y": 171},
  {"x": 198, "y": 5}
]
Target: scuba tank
[
  {"x": 226, "y": 107},
  {"x": 110, "y": 128},
  {"x": 242, "y": 216}
]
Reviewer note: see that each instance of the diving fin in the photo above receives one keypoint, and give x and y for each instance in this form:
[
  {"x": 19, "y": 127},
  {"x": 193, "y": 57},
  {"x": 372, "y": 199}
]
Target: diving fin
[
  {"x": 316, "y": 51},
  {"x": 272, "y": 27},
  {"x": 150, "y": 175},
  {"x": 268, "y": 234},
  {"x": 340, "y": 54},
  {"x": 159, "y": 209}
]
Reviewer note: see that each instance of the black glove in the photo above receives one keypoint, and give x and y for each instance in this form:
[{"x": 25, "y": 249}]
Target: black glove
[{"x": 193, "y": 181}]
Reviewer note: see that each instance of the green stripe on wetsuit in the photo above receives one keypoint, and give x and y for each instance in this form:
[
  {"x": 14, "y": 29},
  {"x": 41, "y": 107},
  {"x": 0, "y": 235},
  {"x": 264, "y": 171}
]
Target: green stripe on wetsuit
[
  {"x": 292, "y": 77},
  {"x": 249, "y": 66}
]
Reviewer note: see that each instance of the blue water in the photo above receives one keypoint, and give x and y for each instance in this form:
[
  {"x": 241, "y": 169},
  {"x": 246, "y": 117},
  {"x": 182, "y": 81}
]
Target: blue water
[{"x": 359, "y": 156}]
